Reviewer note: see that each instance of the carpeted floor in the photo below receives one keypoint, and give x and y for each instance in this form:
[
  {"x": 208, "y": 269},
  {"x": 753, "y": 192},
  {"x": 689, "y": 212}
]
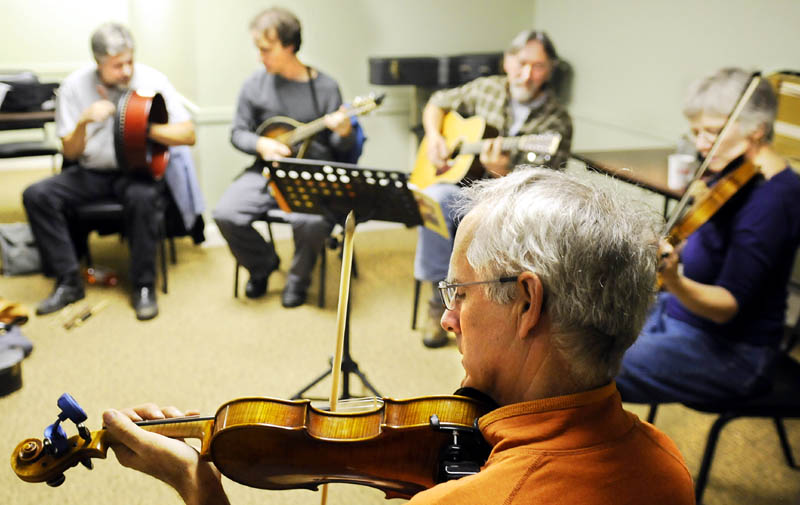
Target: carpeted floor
[{"x": 207, "y": 348}]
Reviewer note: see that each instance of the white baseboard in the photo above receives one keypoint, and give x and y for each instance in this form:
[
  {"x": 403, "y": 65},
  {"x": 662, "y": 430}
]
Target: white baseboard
[{"x": 284, "y": 232}]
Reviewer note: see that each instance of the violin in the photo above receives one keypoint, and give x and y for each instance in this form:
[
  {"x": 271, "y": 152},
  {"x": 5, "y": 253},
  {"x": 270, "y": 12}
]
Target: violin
[
  {"x": 706, "y": 206},
  {"x": 401, "y": 447},
  {"x": 682, "y": 224}
]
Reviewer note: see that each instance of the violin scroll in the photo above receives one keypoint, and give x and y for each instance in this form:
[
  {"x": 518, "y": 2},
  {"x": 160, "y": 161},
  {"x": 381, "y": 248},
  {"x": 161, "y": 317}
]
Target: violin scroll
[{"x": 34, "y": 461}]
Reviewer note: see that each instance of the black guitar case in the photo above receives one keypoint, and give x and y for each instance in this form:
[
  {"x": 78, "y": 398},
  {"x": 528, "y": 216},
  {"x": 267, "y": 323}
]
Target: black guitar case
[{"x": 433, "y": 72}]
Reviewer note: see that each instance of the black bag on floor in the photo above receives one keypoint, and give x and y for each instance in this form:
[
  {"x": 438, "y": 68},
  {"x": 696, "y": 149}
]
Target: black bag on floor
[{"x": 18, "y": 250}]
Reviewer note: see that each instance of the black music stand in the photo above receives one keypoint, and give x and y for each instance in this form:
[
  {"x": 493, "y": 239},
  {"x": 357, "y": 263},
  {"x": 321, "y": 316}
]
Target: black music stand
[{"x": 334, "y": 189}]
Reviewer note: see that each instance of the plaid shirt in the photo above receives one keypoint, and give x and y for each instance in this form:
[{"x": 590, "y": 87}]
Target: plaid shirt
[{"x": 488, "y": 97}]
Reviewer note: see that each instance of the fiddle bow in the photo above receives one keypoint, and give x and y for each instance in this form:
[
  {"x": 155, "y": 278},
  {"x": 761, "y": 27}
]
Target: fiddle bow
[{"x": 683, "y": 222}]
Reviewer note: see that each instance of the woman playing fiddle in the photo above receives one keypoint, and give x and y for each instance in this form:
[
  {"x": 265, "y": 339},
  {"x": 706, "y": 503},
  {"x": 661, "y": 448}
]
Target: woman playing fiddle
[{"x": 716, "y": 328}]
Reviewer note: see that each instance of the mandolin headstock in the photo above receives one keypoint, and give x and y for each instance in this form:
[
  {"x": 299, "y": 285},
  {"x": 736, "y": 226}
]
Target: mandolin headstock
[{"x": 364, "y": 104}]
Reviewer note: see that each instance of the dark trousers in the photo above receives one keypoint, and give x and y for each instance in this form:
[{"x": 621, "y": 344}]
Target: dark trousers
[{"x": 51, "y": 203}]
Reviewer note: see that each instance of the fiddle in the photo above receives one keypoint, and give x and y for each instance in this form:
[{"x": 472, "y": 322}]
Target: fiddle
[
  {"x": 683, "y": 221},
  {"x": 398, "y": 446},
  {"x": 712, "y": 200}
]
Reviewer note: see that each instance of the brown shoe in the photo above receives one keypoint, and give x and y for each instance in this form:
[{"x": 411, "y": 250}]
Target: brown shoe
[{"x": 433, "y": 335}]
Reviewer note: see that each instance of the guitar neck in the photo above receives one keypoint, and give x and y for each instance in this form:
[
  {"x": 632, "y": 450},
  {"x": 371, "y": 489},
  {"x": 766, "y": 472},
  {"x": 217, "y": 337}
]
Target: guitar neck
[
  {"x": 311, "y": 128},
  {"x": 542, "y": 143},
  {"x": 507, "y": 144}
]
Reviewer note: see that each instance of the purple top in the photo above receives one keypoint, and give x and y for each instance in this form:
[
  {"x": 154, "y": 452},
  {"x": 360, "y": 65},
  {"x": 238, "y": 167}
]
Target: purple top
[{"x": 748, "y": 248}]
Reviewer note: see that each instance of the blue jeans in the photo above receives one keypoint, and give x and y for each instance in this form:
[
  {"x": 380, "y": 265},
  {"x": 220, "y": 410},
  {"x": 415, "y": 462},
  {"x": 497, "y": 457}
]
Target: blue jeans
[
  {"x": 432, "y": 258},
  {"x": 672, "y": 361}
]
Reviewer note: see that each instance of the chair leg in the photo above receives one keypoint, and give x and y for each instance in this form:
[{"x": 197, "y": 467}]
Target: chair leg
[
  {"x": 89, "y": 260},
  {"x": 164, "y": 265},
  {"x": 173, "y": 255},
  {"x": 417, "y": 284},
  {"x": 236, "y": 281},
  {"x": 322, "y": 273},
  {"x": 787, "y": 449},
  {"x": 708, "y": 455},
  {"x": 651, "y": 415}
]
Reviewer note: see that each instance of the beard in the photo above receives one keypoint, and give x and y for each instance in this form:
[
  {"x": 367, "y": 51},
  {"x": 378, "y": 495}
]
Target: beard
[{"x": 522, "y": 93}]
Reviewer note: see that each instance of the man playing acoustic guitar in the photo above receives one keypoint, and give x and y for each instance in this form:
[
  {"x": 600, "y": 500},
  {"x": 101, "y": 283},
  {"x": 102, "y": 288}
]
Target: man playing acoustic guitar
[
  {"x": 521, "y": 102},
  {"x": 284, "y": 87}
]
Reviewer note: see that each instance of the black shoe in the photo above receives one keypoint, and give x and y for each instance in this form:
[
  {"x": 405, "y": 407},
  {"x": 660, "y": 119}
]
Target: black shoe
[
  {"x": 62, "y": 295},
  {"x": 144, "y": 303},
  {"x": 256, "y": 287},
  {"x": 293, "y": 296}
]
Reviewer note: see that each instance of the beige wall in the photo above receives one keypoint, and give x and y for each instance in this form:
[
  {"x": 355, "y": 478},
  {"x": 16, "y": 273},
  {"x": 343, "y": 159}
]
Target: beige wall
[{"x": 634, "y": 59}]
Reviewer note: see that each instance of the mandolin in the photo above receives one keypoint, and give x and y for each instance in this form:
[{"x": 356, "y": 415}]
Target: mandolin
[
  {"x": 298, "y": 135},
  {"x": 465, "y": 138}
]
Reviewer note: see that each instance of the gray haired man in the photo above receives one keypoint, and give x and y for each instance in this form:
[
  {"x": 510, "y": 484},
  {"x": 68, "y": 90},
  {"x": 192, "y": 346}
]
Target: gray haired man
[{"x": 85, "y": 110}]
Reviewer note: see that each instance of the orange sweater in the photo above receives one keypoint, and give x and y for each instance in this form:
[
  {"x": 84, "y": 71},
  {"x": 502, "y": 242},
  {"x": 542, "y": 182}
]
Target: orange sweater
[{"x": 581, "y": 449}]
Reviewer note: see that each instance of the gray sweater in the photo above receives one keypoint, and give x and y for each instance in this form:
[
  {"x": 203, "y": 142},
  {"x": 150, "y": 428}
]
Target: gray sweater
[{"x": 264, "y": 95}]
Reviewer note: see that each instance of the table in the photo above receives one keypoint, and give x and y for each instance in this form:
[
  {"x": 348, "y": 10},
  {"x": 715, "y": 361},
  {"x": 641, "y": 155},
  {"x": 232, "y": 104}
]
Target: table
[
  {"x": 646, "y": 168},
  {"x": 24, "y": 121}
]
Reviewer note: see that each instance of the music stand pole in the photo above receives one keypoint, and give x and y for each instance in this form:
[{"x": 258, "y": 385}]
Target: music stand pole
[
  {"x": 333, "y": 190},
  {"x": 349, "y": 366}
]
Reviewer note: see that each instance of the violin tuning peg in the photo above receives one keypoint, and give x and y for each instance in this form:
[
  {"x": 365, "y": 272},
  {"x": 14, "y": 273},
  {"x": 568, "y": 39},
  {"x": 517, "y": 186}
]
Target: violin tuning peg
[
  {"x": 56, "y": 481},
  {"x": 84, "y": 433},
  {"x": 87, "y": 463},
  {"x": 55, "y": 439},
  {"x": 70, "y": 409}
]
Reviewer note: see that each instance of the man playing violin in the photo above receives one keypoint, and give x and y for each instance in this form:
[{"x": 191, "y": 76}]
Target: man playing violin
[
  {"x": 542, "y": 320},
  {"x": 85, "y": 108},
  {"x": 717, "y": 327},
  {"x": 284, "y": 87},
  {"x": 520, "y": 102}
]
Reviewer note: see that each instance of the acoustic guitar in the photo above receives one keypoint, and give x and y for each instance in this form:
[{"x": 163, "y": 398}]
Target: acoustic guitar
[
  {"x": 297, "y": 135},
  {"x": 465, "y": 138}
]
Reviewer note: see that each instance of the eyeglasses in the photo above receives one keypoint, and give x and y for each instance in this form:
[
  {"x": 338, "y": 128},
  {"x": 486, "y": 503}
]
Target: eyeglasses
[
  {"x": 448, "y": 291},
  {"x": 708, "y": 134}
]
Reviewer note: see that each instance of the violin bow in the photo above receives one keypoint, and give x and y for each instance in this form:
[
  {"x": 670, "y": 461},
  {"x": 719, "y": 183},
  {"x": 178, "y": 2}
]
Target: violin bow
[
  {"x": 341, "y": 318},
  {"x": 734, "y": 115}
]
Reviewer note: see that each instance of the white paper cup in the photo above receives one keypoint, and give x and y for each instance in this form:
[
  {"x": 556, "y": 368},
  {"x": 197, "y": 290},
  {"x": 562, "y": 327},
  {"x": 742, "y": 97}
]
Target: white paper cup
[{"x": 680, "y": 168}]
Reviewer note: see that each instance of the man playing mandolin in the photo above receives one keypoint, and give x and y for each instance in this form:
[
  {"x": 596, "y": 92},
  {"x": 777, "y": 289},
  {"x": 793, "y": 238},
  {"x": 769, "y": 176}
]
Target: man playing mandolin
[
  {"x": 521, "y": 102},
  {"x": 717, "y": 327},
  {"x": 86, "y": 104},
  {"x": 284, "y": 87},
  {"x": 542, "y": 321}
]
